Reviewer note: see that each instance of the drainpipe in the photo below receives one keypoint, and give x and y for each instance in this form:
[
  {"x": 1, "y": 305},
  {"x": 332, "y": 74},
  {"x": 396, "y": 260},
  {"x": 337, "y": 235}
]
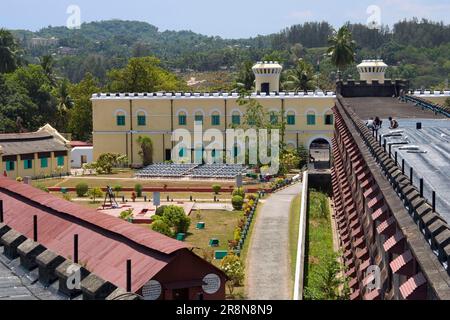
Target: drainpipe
[{"x": 131, "y": 131}]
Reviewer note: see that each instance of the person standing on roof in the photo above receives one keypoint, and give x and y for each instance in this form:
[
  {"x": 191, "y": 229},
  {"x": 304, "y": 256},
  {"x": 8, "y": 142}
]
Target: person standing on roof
[
  {"x": 370, "y": 123},
  {"x": 377, "y": 123}
]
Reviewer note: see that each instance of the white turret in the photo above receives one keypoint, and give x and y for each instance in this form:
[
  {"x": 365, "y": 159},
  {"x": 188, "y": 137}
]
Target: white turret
[
  {"x": 370, "y": 70},
  {"x": 267, "y": 76}
]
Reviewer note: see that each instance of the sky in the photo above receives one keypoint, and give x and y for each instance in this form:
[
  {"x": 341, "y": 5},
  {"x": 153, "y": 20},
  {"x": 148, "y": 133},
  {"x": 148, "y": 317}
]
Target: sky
[{"x": 225, "y": 18}]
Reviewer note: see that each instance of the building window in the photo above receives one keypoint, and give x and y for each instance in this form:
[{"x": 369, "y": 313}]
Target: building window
[
  {"x": 215, "y": 120},
  {"x": 198, "y": 118},
  {"x": 44, "y": 162},
  {"x": 328, "y": 119},
  {"x": 273, "y": 118},
  {"x": 291, "y": 119},
  {"x": 120, "y": 120},
  {"x": 235, "y": 151},
  {"x": 182, "y": 119},
  {"x": 10, "y": 165},
  {"x": 141, "y": 120},
  {"x": 28, "y": 164},
  {"x": 60, "y": 161},
  {"x": 236, "y": 119},
  {"x": 311, "y": 119}
]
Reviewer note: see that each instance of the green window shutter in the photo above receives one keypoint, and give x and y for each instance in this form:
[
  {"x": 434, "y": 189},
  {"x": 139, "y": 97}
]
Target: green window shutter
[
  {"x": 199, "y": 118},
  {"x": 182, "y": 120},
  {"x": 291, "y": 120},
  {"x": 236, "y": 119},
  {"x": 28, "y": 164},
  {"x": 141, "y": 120},
  {"x": 215, "y": 120},
  {"x": 273, "y": 119},
  {"x": 181, "y": 153},
  {"x": 311, "y": 119},
  {"x": 10, "y": 165},
  {"x": 329, "y": 119},
  {"x": 44, "y": 162},
  {"x": 60, "y": 161},
  {"x": 120, "y": 120}
]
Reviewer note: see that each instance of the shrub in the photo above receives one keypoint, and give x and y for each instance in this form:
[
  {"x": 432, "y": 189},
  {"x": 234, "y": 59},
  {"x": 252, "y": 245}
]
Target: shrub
[
  {"x": 216, "y": 188},
  {"x": 160, "y": 210},
  {"x": 237, "y": 202},
  {"x": 117, "y": 188},
  {"x": 19, "y": 179},
  {"x": 138, "y": 190},
  {"x": 81, "y": 189},
  {"x": 124, "y": 215},
  {"x": 251, "y": 197},
  {"x": 162, "y": 227},
  {"x": 95, "y": 193},
  {"x": 239, "y": 192},
  {"x": 67, "y": 197},
  {"x": 176, "y": 218},
  {"x": 233, "y": 267}
]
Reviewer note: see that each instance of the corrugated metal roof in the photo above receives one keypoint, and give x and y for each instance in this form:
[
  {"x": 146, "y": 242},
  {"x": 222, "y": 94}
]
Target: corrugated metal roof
[
  {"x": 25, "y": 143},
  {"x": 105, "y": 242}
]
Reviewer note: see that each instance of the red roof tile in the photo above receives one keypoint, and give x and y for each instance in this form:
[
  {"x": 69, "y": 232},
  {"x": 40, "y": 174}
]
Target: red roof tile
[
  {"x": 413, "y": 283},
  {"x": 402, "y": 260}
]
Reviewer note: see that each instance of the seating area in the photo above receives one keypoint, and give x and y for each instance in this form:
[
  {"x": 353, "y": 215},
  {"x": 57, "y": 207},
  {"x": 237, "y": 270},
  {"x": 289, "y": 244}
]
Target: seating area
[
  {"x": 165, "y": 170},
  {"x": 207, "y": 171},
  {"x": 221, "y": 171}
]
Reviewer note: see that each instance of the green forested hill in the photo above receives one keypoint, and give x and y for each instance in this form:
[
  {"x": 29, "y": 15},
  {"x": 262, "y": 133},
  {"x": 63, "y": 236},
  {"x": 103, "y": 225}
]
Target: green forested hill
[{"x": 418, "y": 50}]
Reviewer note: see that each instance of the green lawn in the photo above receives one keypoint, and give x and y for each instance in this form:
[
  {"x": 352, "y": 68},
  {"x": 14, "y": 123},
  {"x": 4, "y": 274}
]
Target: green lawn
[
  {"x": 294, "y": 220},
  {"x": 319, "y": 237},
  {"x": 220, "y": 224}
]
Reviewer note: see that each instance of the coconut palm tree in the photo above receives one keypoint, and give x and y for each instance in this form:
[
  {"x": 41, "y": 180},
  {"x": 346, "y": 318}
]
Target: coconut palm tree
[
  {"x": 8, "y": 52},
  {"x": 301, "y": 77},
  {"x": 342, "y": 49}
]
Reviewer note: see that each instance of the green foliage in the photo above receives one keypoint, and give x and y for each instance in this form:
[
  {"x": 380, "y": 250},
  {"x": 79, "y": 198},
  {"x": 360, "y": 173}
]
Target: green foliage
[
  {"x": 142, "y": 75},
  {"x": 289, "y": 160},
  {"x": 327, "y": 280},
  {"x": 8, "y": 52},
  {"x": 342, "y": 48},
  {"x": 237, "y": 202},
  {"x": 239, "y": 192},
  {"x": 95, "y": 193},
  {"x": 146, "y": 151},
  {"x": 138, "y": 189},
  {"x": 106, "y": 162},
  {"x": 117, "y": 188},
  {"x": 160, "y": 210},
  {"x": 301, "y": 77},
  {"x": 175, "y": 218},
  {"x": 126, "y": 214},
  {"x": 246, "y": 78},
  {"x": 19, "y": 179},
  {"x": 162, "y": 227},
  {"x": 216, "y": 188},
  {"x": 233, "y": 267},
  {"x": 81, "y": 189}
]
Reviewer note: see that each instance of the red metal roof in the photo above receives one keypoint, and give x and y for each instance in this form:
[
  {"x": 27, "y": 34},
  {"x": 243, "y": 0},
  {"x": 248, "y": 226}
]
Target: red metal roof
[
  {"x": 74, "y": 144},
  {"x": 105, "y": 242}
]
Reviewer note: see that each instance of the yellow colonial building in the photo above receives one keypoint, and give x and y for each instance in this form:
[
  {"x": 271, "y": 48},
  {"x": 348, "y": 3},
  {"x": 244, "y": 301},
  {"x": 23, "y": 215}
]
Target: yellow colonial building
[
  {"x": 37, "y": 154},
  {"x": 120, "y": 118}
]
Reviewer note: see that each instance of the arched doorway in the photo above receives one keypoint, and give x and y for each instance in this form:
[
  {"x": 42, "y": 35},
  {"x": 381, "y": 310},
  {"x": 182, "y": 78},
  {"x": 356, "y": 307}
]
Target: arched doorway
[{"x": 320, "y": 154}]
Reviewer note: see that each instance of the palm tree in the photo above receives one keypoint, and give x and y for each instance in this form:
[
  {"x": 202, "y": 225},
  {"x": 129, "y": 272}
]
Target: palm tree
[
  {"x": 342, "y": 49},
  {"x": 65, "y": 103},
  {"x": 47, "y": 64},
  {"x": 8, "y": 52},
  {"x": 246, "y": 78},
  {"x": 301, "y": 77}
]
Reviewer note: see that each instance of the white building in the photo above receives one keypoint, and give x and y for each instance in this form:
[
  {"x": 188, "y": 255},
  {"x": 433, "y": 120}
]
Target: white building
[{"x": 80, "y": 154}]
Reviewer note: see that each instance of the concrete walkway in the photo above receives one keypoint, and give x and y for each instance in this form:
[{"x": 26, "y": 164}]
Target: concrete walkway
[{"x": 268, "y": 271}]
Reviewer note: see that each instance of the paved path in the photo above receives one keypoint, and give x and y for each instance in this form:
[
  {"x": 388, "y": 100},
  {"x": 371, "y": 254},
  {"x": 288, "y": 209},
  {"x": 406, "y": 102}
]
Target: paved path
[{"x": 268, "y": 272}]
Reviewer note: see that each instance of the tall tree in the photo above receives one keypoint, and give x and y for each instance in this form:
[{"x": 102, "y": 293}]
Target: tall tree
[
  {"x": 80, "y": 116},
  {"x": 301, "y": 77},
  {"x": 245, "y": 78},
  {"x": 8, "y": 52},
  {"x": 146, "y": 151},
  {"x": 47, "y": 64},
  {"x": 143, "y": 75},
  {"x": 342, "y": 49}
]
